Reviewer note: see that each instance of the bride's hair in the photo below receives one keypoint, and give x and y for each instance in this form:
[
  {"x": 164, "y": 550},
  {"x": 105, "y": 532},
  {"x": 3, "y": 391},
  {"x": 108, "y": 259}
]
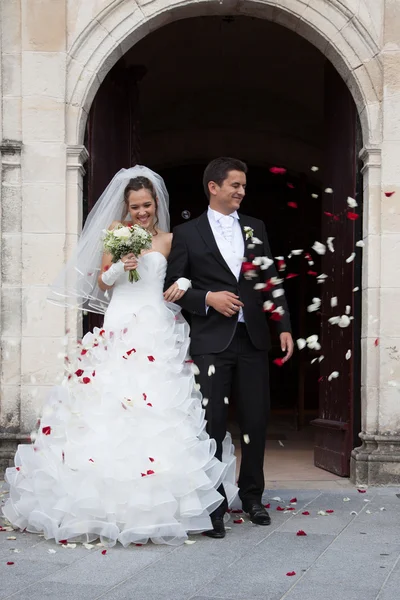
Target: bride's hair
[{"x": 134, "y": 185}]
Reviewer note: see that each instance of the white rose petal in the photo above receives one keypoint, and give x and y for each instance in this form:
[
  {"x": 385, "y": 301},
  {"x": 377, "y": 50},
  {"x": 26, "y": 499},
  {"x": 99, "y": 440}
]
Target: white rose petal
[
  {"x": 328, "y": 190},
  {"x": 226, "y": 400},
  {"x": 277, "y": 293},
  {"x": 277, "y": 499},
  {"x": 314, "y": 196},
  {"x": 352, "y": 203},
  {"x": 321, "y": 278},
  {"x": 256, "y": 240},
  {"x": 259, "y": 286},
  {"x": 360, "y": 244},
  {"x": 205, "y": 402},
  {"x": 319, "y": 248},
  {"x": 356, "y": 289},
  {"x": 329, "y": 243},
  {"x": 189, "y": 542},
  {"x": 322, "y": 513},
  {"x": 195, "y": 369},
  {"x": 344, "y": 321},
  {"x": 321, "y": 358},
  {"x": 348, "y": 354},
  {"x": 334, "y": 320},
  {"x": 281, "y": 443},
  {"x": 88, "y": 546},
  {"x": 266, "y": 263},
  {"x": 246, "y": 439},
  {"x": 382, "y": 508},
  {"x": 314, "y": 360},
  {"x": 353, "y": 512},
  {"x": 368, "y": 512},
  {"x": 348, "y": 309},
  {"x": 314, "y": 169},
  {"x": 51, "y": 551},
  {"x": 312, "y": 339},
  {"x": 268, "y": 305},
  {"x": 351, "y": 257},
  {"x": 301, "y": 343},
  {"x": 346, "y": 499},
  {"x": 211, "y": 370},
  {"x": 250, "y": 247},
  {"x": 334, "y": 301},
  {"x": 297, "y": 252},
  {"x": 333, "y": 375},
  {"x": 257, "y": 261}
]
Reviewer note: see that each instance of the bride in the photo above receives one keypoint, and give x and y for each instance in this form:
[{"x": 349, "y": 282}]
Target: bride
[{"x": 121, "y": 452}]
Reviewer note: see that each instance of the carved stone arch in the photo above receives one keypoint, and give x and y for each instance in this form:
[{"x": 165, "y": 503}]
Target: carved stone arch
[{"x": 328, "y": 24}]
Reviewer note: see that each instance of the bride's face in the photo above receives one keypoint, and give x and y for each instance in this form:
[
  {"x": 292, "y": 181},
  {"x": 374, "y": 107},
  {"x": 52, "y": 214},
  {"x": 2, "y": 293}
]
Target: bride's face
[{"x": 142, "y": 208}]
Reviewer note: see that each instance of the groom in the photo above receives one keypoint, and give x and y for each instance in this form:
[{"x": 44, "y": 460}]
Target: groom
[{"x": 229, "y": 329}]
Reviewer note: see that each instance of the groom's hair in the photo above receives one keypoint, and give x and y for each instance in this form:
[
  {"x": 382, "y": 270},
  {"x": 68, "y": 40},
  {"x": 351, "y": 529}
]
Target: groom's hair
[{"x": 217, "y": 170}]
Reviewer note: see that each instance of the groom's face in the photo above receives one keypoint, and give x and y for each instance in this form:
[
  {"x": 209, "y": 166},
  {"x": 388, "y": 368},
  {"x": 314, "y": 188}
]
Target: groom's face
[{"x": 227, "y": 197}]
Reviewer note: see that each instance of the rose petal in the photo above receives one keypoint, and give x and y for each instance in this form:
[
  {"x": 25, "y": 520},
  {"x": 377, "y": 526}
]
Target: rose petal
[
  {"x": 238, "y": 521},
  {"x": 104, "y": 552},
  {"x": 301, "y": 533},
  {"x": 293, "y": 500},
  {"x": 267, "y": 505},
  {"x": 277, "y": 170},
  {"x": 352, "y": 216},
  {"x": 388, "y": 194},
  {"x": 278, "y": 362},
  {"x": 151, "y": 358},
  {"x": 330, "y": 511},
  {"x": 292, "y": 204},
  {"x": 291, "y": 573},
  {"x": 305, "y": 513}
]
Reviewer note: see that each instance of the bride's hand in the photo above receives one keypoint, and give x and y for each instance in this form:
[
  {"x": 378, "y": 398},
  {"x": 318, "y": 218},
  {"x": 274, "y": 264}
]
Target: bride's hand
[
  {"x": 130, "y": 262},
  {"x": 173, "y": 293}
]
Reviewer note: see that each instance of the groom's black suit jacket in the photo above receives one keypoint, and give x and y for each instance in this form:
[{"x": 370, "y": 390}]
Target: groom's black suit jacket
[{"x": 195, "y": 255}]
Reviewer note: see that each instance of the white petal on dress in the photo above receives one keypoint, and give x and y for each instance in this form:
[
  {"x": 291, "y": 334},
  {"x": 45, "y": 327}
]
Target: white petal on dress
[{"x": 127, "y": 458}]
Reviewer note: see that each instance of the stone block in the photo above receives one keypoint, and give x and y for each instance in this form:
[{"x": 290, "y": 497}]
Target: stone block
[
  {"x": 11, "y": 25},
  {"x": 9, "y": 408},
  {"x": 369, "y": 363},
  {"x": 44, "y": 74},
  {"x": 389, "y": 411},
  {"x": 371, "y": 123},
  {"x": 11, "y": 257},
  {"x": 390, "y": 358},
  {"x": 44, "y": 25},
  {"x": 370, "y": 319},
  {"x": 43, "y": 119},
  {"x": 369, "y": 409},
  {"x": 389, "y": 313},
  {"x": 371, "y": 14},
  {"x": 391, "y": 118},
  {"x": 39, "y": 317},
  {"x": 11, "y": 313},
  {"x": 44, "y": 162},
  {"x": 11, "y": 214},
  {"x": 11, "y": 118},
  {"x": 42, "y": 257},
  {"x": 81, "y": 14},
  {"x": 41, "y": 361},
  {"x": 377, "y": 461},
  {"x": 43, "y": 208},
  {"x": 390, "y": 163},
  {"x": 10, "y": 361},
  {"x": 11, "y": 74},
  {"x": 372, "y": 209},
  {"x": 372, "y": 262},
  {"x": 390, "y": 257},
  {"x": 391, "y": 211}
]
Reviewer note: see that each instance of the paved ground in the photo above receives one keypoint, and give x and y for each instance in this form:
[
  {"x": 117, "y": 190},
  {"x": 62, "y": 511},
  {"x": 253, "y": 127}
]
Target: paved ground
[{"x": 345, "y": 555}]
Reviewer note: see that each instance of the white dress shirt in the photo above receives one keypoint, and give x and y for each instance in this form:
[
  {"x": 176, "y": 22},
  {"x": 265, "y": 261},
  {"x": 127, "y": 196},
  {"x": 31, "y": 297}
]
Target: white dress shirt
[{"x": 229, "y": 238}]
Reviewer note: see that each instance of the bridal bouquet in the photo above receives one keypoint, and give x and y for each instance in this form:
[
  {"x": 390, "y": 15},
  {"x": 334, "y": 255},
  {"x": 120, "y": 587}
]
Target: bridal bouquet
[{"x": 125, "y": 239}]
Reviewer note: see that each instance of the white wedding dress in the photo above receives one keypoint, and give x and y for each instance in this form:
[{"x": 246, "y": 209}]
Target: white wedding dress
[{"x": 121, "y": 451}]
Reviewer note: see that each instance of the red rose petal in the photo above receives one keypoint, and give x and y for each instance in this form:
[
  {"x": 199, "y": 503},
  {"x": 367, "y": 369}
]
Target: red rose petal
[
  {"x": 388, "y": 194},
  {"x": 138, "y": 544},
  {"x": 91, "y": 460},
  {"x": 290, "y": 508},
  {"x": 291, "y": 275},
  {"x": 376, "y": 342},
  {"x": 102, "y": 332},
  {"x": 275, "y": 316},
  {"x": 292, "y": 204},
  {"x": 313, "y": 273},
  {"x": 352, "y": 216},
  {"x": 305, "y": 513},
  {"x": 63, "y": 542},
  {"x": 94, "y": 373},
  {"x": 278, "y": 362},
  {"x": 291, "y": 573},
  {"x": 362, "y": 491},
  {"x": 238, "y": 521},
  {"x": 104, "y": 552},
  {"x": 329, "y": 512},
  {"x": 86, "y": 380},
  {"x": 145, "y": 397},
  {"x": 293, "y": 500},
  {"x": 83, "y": 352},
  {"x": 301, "y": 533},
  {"x": 143, "y": 474},
  {"x": 106, "y": 268},
  {"x": 267, "y": 505},
  {"x": 151, "y": 459},
  {"x": 130, "y": 351},
  {"x": 17, "y": 468},
  {"x": 79, "y": 372},
  {"x": 290, "y": 185},
  {"x": 10, "y": 563},
  {"x": 150, "y": 472},
  {"x": 237, "y": 511},
  {"x": 277, "y": 170},
  {"x": 46, "y": 430},
  {"x": 151, "y": 358},
  {"x": 248, "y": 266},
  {"x": 149, "y": 404},
  {"x": 280, "y": 508}
]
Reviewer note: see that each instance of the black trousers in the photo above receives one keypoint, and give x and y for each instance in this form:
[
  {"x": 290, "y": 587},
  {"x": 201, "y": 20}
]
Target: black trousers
[{"x": 243, "y": 369}]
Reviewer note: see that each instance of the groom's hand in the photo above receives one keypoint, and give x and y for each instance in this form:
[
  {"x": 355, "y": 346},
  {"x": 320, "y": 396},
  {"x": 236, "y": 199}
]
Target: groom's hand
[
  {"x": 286, "y": 345},
  {"x": 226, "y": 303}
]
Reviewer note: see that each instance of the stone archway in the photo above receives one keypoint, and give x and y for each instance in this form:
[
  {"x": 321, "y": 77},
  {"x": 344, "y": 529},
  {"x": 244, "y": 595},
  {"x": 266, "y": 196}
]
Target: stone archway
[{"x": 334, "y": 29}]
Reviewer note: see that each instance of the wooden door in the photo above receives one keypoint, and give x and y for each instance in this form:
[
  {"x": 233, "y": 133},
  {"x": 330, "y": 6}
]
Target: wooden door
[
  {"x": 112, "y": 137},
  {"x": 335, "y": 423}
]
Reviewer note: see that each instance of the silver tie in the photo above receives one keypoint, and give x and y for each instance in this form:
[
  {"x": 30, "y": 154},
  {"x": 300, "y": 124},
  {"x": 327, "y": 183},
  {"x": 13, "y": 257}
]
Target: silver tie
[{"x": 226, "y": 227}]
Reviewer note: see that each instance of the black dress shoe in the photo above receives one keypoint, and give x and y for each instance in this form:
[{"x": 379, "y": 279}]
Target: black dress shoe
[
  {"x": 218, "y": 530},
  {"x": 258, "y": 514}
]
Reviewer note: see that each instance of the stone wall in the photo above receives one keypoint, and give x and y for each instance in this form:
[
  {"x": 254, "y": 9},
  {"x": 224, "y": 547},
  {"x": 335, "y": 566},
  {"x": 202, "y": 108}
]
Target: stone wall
[{"x": 54, "y": 55}]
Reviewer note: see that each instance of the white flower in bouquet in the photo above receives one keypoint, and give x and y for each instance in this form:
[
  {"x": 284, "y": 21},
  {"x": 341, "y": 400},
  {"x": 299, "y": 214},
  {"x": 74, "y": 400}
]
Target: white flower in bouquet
[{"x": 125, "y": 240}]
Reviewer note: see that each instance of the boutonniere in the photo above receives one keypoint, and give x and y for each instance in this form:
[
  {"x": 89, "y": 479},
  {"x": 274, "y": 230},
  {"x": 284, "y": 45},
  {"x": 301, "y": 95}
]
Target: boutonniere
[{"x": 249, "y": 231}]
